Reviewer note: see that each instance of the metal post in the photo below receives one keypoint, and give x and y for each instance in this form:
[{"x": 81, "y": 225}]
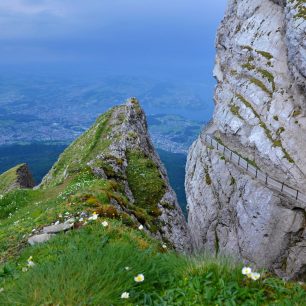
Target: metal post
[
  {"x": 217, "y": 145},
  {"x": 282, "y": 187},
  {"x": 239, "y": 161},
  {"x": 256, "y": 172},
  {"x": 266, "y": 179},
  {"x": 297, "y": 194},
  {"x": 247, "y": 166},
  {"x": 231, "y": 155}
]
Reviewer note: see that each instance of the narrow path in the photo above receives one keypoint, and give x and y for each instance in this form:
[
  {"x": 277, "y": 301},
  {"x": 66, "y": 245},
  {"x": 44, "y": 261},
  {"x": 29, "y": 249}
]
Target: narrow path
[{"x": 255, "y": 172}]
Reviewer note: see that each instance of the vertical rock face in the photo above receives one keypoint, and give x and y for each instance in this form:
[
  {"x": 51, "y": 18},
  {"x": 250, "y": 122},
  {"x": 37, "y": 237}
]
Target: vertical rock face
[{"x": 260, "y": 107}]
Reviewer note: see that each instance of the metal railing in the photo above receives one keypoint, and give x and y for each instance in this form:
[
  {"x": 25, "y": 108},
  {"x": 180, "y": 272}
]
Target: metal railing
[{"x": 254, "y": 171}]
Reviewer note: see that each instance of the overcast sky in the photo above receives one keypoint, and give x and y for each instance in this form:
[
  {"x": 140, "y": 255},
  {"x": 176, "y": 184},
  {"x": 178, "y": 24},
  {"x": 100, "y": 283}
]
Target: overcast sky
[{"x": 158, "y": 36}]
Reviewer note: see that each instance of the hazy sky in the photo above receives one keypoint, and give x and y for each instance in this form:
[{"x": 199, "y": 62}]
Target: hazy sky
[{"x": 121, "y": 36}]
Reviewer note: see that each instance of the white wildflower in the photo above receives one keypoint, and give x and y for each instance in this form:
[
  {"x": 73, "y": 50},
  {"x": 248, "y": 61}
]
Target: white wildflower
[
  {"x": 139, "y": 278},
  {"x": 125, "y": 295},
  {"x": 140, "y": 227},
  {"x": 254, "y": 276},
  {"x": 246, "y": 270},
  {"x": 105, "y": 223},
  {"x": 94, "y": 216}
]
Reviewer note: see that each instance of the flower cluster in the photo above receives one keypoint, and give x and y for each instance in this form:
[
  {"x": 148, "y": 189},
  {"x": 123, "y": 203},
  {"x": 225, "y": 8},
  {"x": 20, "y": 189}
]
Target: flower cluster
[
  {"x": 250, "y": 274},
  {"x": 138, "y": 279}
]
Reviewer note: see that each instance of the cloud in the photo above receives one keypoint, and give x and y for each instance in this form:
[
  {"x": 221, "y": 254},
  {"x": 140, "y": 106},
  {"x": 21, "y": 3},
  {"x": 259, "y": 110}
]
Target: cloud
[
  {"x": 71, "y": 29},
  {"x": 26, "y": 7}
]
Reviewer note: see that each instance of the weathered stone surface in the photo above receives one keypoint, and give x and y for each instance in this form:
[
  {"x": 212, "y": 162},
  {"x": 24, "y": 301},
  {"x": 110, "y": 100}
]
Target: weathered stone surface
[
  {"x": 259, "y": 113},
  {"x": 37, "y": 239},
  {"x": 134, "y": 136},
  {"x": 57, "y": 228},
  {"x": 24, "y": 177}
]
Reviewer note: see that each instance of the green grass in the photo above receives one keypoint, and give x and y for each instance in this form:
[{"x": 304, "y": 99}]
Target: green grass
[
  {"x": 21, "y": 211},
  {"x": 144, "y": 179},
  {"x": 147, "y": 186},
  {"x": 87, "y": 267},
  {"x": 8, "y": 178},
  {"x": 85, "y": 148}
]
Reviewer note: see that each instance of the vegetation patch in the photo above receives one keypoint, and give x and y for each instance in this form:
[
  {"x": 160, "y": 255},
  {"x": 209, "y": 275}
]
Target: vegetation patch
[
  {"x": 235, "y": 111},
  {"x": 8, "y": 178},
  {"x": 147, "y": 186},
  {"x": 261, "y": 85},
  {"x": 297, "y": 112},
  {"x": 300, "y": 6},
  {"x": 248, "y": 66},
  {"x": 207, "y": 177},
  {"x": 275, "y": 142},
  {"x": 96, "y": 265},
  {"x": 249, "y": 48},
  {"x": 268, "y": 75},
  {"x": 265, "y": 54},
  {"x": 85, "y": 148},
  {"x": 280, "y": 130}
]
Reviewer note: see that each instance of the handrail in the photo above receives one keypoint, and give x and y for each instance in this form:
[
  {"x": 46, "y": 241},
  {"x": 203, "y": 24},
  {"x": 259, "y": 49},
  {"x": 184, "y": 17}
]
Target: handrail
[{"x": 254, "y": 171}]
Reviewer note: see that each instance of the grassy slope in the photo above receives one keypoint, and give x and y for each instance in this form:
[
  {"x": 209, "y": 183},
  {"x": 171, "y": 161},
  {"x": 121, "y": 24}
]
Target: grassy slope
[
  {"x": 87, "y": 146},
  {"x": 8, "y": 178},
  {"x": 88, "y": 267}
]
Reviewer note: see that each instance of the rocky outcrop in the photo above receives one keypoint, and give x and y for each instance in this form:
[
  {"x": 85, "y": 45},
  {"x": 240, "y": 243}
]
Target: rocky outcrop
[
  {"x": 260, "y": 114},
  {"x": 16, "y": 178},
  {"x": 118, "y": 149}
]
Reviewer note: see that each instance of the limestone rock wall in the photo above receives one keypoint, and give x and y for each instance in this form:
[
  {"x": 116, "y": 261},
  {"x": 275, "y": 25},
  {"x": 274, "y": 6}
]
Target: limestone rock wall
[{"x": 260, "y": 104}]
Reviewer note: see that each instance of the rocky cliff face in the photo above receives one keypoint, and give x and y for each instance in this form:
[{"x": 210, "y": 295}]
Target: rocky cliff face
[
  {"x": 260, "y": 105},
  {"x": 118, "y": 149},
  {"x": 16, "y": 178}
]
